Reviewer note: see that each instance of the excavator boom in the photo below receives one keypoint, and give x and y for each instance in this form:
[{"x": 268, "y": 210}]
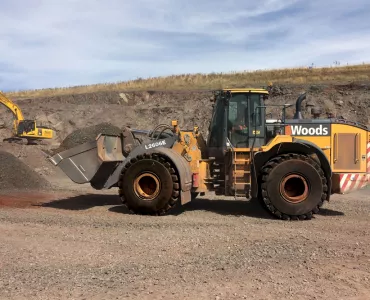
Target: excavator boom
[{"x": 14, "y": 108}]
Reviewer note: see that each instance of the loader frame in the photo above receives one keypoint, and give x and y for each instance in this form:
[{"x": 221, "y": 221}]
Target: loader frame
[{"x": 292, "y": 166}]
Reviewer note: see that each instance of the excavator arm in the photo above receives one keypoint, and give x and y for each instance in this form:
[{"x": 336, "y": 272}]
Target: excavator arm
[{"x": 14, "y": 108}]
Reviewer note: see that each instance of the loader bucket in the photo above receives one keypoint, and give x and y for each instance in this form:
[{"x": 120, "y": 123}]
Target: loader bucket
[{"x": 92, "y": 161}]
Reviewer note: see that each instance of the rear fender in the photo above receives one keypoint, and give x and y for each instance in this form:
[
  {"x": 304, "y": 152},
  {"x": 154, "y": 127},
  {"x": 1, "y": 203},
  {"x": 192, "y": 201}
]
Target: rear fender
[{"x": 297, "y": 146}]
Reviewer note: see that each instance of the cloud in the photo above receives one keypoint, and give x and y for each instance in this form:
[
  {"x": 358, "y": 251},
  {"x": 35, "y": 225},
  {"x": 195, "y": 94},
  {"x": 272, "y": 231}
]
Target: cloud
[{"x": 63, "y": 43}]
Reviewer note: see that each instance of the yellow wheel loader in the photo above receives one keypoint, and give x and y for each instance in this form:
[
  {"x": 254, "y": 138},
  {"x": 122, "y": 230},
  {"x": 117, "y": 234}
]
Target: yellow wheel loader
[
  {"x": 24, "y": 129},
  {"x": 292, "y": 165}
]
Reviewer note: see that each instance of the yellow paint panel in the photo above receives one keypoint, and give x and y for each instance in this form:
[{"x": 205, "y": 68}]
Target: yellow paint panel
[
  {"x": 323, "y": 142},
  {"x": 188, "y": 147},
  {"x": 277, "y": 140},
  {"x": 247, "y": 90},
  {"x": 345, "y": 148}
]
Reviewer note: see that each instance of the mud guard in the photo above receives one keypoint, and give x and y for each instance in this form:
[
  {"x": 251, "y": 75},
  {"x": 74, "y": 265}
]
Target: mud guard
[
  {"x": 183, "y": 168},
  {"x": 185, "y": 175},
  {"x": 112, "y": 180},
  {"x": 297, "y": 146}
]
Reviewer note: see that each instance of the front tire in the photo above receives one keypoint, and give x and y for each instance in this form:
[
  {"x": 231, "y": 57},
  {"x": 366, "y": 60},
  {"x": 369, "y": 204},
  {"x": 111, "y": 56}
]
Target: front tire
[
  {"x": 293, "y": 187},
  {"x": 149, "y": 185}
]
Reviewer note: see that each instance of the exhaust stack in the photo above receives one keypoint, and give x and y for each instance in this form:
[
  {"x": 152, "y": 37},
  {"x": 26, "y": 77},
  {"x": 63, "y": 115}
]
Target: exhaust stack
[{"x": 298, "y": 107}]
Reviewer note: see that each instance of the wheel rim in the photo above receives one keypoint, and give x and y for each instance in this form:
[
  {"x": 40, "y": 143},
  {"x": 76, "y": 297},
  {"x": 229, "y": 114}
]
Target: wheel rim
[
  {"x": 147, "y": 186},
  {"x": 294, "y": 188}
]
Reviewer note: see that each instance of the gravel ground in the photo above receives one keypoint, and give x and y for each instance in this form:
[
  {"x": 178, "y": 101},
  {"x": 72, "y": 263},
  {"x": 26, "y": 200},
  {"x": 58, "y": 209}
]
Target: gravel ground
[{"x": 70, "y": 246}]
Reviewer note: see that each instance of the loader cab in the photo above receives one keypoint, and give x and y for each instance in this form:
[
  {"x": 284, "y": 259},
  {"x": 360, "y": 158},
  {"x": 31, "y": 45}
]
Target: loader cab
[{"x": 239, "y": 116}]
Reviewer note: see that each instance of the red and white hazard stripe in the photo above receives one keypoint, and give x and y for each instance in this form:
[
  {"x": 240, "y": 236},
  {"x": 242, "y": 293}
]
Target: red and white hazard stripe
[
  {"x": 368, "y": 159},
  {"x": 350, "y": 182}
]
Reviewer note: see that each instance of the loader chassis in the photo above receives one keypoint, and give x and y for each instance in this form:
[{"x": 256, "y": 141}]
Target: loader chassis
[{"x": 292, "y": 166}]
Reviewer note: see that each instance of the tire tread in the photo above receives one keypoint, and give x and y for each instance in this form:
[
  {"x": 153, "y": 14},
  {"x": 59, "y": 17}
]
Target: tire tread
[
  {"x": 266, "y": 170},
  {"x": 162, "y": 159}
]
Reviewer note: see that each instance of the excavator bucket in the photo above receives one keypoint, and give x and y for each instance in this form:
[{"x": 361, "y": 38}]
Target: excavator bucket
[{"x": 92, "y": 161}]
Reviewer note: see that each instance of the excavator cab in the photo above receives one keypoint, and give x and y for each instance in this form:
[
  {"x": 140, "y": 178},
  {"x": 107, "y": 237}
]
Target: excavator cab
[
  {"x": 26, "y": 127},
  {"x": 29, "y": 130}
]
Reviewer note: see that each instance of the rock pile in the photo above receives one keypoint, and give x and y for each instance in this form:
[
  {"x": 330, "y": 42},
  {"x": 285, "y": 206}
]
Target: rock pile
[
  {"x": 16, "y": 175},
  {"x": 87, "y": 134}
]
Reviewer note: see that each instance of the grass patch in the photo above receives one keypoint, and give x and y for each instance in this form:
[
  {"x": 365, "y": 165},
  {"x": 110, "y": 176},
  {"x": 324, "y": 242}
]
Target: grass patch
[{"x": 345, "y": 74}]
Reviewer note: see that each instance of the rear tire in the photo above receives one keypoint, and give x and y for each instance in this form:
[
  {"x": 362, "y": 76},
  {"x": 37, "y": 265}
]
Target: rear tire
[
  {"x": 194, "y": 195},
  {"x": 149, "y": 185},
  {"x": 293, "y": 187}
]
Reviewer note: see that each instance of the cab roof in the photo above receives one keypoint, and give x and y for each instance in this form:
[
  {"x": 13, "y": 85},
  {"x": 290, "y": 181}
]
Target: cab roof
[{"x": 246, "y": 90}]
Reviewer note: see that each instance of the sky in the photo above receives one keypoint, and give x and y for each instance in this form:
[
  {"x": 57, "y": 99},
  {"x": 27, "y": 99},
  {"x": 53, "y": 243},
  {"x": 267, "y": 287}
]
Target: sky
[{"x": 60, "y": 43}]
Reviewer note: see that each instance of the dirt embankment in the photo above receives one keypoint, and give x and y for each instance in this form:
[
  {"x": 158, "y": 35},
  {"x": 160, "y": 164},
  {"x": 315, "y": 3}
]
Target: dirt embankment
[{"x": 144, "y": 110}]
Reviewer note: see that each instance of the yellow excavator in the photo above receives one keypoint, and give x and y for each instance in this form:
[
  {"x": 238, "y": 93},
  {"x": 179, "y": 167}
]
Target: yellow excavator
[{"x": 22, "y": 128}]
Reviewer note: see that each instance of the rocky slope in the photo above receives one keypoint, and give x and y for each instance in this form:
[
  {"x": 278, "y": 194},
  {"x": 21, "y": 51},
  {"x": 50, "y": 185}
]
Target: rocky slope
[{"x": 146, "y": 109}]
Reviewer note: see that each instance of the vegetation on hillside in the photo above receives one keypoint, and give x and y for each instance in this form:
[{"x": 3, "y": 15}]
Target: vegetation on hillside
[{"x": 345, "y": 74}]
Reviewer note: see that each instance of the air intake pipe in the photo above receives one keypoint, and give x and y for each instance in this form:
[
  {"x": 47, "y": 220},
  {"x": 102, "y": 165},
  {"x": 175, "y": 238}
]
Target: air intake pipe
[{"x": 298, "y": 106}]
